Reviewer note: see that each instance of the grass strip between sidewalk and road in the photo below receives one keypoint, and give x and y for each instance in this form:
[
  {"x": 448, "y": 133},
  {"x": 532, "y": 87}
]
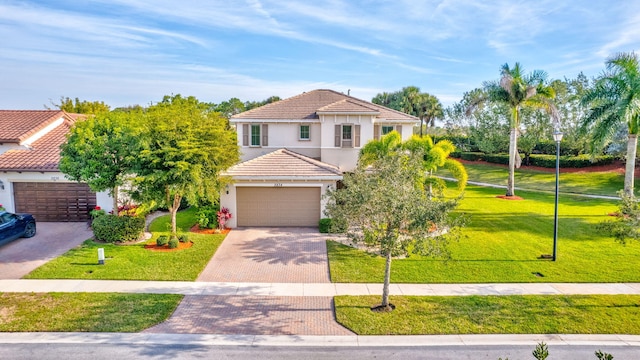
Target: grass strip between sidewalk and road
[
  {"x": 84, "y": 312},
  {"x": 502, "y": 242},
  {"x": 134, "y": 262},
  {"x": 527, "y": 314}
]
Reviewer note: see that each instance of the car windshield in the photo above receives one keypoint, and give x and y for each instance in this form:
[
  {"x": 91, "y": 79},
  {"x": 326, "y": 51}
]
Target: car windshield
[{"x": 6, "y": 217}]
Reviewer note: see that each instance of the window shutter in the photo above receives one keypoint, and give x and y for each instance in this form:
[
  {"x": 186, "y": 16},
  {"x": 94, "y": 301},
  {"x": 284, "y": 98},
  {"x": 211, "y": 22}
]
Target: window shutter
[
  {"x": 356, "y": 138},
  {"x": 265, "y": 135},
  {"x": 376, "y": 132},
  {"x": 245, "y": 134},
  {"x": 338, "y": 142},
  {"x": 399, "y": 129}
]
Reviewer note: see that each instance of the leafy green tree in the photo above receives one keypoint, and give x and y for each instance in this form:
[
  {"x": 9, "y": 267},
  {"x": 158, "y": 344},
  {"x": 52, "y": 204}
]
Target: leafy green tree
[
  {"x": 615, "y": 100},
  {"x": 185, "y": 147},
  {"x": 518, "y": 90},
  {"x": 100, "y": 151},
  {"x": 411, "y": 101},
  {"x": 248, "y": 105},
  {"x": 434, "y": 156},
  {"x": 77, "y": 106},
  {"x": 385, "y": 206}
]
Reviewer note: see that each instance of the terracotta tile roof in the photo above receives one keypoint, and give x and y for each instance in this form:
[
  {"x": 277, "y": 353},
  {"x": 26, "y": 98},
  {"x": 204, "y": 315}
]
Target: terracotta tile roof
[
  {"x": 306, "y": 105},
  {"x": 43, "y": 154},
  {"x": 284, "y": 164},
  {"x": 18, "y": 125}
]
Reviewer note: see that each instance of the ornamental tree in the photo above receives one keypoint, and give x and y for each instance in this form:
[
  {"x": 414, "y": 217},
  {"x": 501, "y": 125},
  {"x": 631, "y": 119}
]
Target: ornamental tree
[
  {"x": 185, "y": 147},
  {"x": 100, "y": 151},
  {"x": 385, "y": 206}
]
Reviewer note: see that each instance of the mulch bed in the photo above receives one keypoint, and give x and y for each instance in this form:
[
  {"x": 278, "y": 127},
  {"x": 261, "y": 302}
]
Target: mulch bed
[
  {"x": 165, "y": 248},
  {"x": 196, "y": 229},
  {"x": 513, "y": 197}
]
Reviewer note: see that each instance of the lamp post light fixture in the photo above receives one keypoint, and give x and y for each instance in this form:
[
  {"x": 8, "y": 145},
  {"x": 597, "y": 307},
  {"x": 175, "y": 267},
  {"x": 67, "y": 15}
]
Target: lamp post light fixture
[{"x": 557, "y": 136}]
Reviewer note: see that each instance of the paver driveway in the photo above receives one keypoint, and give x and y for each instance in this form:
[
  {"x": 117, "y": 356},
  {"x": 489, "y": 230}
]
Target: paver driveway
[
  {"x": 281, "y": 255},
  {"x": 21, "y": 256},
  {"x": 275, "y": 255}
]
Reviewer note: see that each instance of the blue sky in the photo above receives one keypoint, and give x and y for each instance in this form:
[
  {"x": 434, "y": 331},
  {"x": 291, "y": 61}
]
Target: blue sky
[{"x": 127, "y": 52}]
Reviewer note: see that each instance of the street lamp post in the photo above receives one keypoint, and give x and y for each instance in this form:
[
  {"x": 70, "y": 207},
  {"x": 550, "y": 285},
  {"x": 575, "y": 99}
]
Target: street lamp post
[{"x": 557, "y": 136}]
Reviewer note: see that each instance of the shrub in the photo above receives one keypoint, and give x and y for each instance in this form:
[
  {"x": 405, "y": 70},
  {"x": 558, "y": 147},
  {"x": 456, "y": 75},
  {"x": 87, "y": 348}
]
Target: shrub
[
  {"x": 329, "y": 226},
  {"x": 183, "y": 238},
  {"x": 472, "y": 156},
  {"x": 580, "y": 161},
  {"x": 97, "y": 211},
  {"x": 162, "y": 240},
  {"x": 223, "y": 216},
  {"x": 207, "y": 217},
  {"x": 324, "y": 226},
  {"x": 173, "y": 243},
  {"x": 111, "y": 228},
  {"x": 497, "y": 158}
]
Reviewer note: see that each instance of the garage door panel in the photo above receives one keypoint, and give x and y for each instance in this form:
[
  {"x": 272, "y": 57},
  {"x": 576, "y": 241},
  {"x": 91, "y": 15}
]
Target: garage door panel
[
  {"x": 54, "y": 201},
  {"x": 278, "y": 206}
]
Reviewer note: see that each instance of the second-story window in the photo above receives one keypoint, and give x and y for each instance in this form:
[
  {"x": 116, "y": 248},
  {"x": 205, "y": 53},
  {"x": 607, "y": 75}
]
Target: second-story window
[
  {"x": 347, "y": 136},
  {"x": 305, "y": 132},
  {"x": 255, "y": 135}
]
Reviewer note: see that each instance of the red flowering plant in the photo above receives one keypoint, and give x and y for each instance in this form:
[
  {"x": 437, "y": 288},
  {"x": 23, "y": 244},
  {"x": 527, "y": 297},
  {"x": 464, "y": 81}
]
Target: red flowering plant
[
  {"x": 128, "y": 210},
  {"x": 223, "y": 215},
  {"x": 97, "y": 211},
  {"x": 1, "y": 207}
]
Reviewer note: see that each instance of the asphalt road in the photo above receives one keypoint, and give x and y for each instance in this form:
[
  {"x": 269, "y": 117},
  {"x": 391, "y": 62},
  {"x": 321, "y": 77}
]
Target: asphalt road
[{"x": 122, "y": 351}]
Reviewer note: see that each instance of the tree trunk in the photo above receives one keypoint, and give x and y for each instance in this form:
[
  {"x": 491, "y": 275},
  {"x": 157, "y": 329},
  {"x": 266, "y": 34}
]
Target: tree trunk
[
  {"x": 630, "y": 166},
  {"x": 513, "y": 150},
  {"x": 387, "y": 280},
  {"x": 421, "y": 122},
  {"x": 174, "y": 211},
  {"x": 114, "y": 193}
]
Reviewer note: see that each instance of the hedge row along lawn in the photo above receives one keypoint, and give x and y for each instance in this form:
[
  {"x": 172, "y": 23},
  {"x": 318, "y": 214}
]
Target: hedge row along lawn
[
  {"x": 502, "y": 242},
  {"x": 84, "y": 312},
  {"x": 529, "y": 314},
  {"x": 595, "y": 183},
  {"x": 134, "y": 262}
]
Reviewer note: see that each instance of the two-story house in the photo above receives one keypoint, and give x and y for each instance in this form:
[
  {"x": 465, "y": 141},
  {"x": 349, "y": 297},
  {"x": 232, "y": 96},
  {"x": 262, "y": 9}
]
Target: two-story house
[
  {"x": 295, "y": 149},
  {"x": 30, "y": 180}
]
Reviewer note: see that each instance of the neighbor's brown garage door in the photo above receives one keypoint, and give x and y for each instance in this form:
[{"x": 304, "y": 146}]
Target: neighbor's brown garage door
[
  {"x": 54, "y": 201},
  {"x": 278, "y": 206}
]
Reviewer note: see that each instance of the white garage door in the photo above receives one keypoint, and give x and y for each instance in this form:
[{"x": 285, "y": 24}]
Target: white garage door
[{"x": 278, "y": 206}]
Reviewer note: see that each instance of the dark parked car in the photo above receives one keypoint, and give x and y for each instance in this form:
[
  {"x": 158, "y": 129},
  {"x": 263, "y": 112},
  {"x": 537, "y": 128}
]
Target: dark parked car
[{"x": 13, "y": 226}]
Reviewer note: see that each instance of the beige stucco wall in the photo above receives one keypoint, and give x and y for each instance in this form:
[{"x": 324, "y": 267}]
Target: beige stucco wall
[{"x": 283, "y": 135}]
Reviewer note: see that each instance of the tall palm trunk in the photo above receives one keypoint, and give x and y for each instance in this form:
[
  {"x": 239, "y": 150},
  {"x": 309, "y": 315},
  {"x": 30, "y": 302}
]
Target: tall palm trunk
[
  {"x": 630, "y": 167},
  {"x": 513, "y": 149},
  {"x": 387, "y": 281}
]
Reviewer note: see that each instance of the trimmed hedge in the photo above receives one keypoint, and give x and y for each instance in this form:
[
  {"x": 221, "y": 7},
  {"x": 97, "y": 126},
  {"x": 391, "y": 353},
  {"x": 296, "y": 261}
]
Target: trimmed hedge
[
  {"x": 324, "y": 226},
  {"x": 112, "y": 228},
  {"x": 580, "y": 161},
  {"x": 548, "y": 161}
]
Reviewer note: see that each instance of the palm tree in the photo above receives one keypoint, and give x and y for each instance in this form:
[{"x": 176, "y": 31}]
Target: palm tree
[
  {"x": 434, "y": 156},
  {"x": 428, "y": 108},
  {"x": 517, "y": 90},
  {"x": 614, "y": 101}
]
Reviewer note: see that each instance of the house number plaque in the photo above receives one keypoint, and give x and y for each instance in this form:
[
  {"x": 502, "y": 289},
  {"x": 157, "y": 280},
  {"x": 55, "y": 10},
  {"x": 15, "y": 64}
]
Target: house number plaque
[{"x": 277, "y": 185}]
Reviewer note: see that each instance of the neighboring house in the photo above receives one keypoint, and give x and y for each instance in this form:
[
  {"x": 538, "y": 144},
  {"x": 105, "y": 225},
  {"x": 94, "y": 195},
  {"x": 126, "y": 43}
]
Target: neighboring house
[
  {"x": 30, "y": 180},
  {"x": 293, "y": 150}
]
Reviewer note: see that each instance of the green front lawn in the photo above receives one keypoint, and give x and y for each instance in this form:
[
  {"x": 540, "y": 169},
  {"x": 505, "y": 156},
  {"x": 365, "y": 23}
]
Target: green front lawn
[
  {"x": 134, "y": 262},
  {"x": 530, "y": 314},
  {"x": 84, "y": 312},
  {"x": 597, "y": 183},
  {"x": 502, "y": 242}
]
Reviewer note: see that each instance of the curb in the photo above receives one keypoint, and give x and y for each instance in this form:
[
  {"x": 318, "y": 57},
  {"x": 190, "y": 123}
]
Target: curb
[{"x": 310, "y": 341}]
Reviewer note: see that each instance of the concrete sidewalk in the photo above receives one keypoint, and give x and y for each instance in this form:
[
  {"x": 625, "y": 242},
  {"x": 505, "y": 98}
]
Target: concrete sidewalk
[
  {"x": 315, "y": 341},
  {"x": 314, "y": 289}
]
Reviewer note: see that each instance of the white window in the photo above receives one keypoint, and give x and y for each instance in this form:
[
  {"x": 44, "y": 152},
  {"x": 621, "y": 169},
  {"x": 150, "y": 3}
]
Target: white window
[
  {"x": 255, "y": 135},
  {"x": 347, "y": 136},
  {"x": 386, "y": 129},
  {"x": 305, "y": 132}
]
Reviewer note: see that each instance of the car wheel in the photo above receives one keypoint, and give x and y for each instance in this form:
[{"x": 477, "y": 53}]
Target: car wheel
[{"x": 29, "y": 230}]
